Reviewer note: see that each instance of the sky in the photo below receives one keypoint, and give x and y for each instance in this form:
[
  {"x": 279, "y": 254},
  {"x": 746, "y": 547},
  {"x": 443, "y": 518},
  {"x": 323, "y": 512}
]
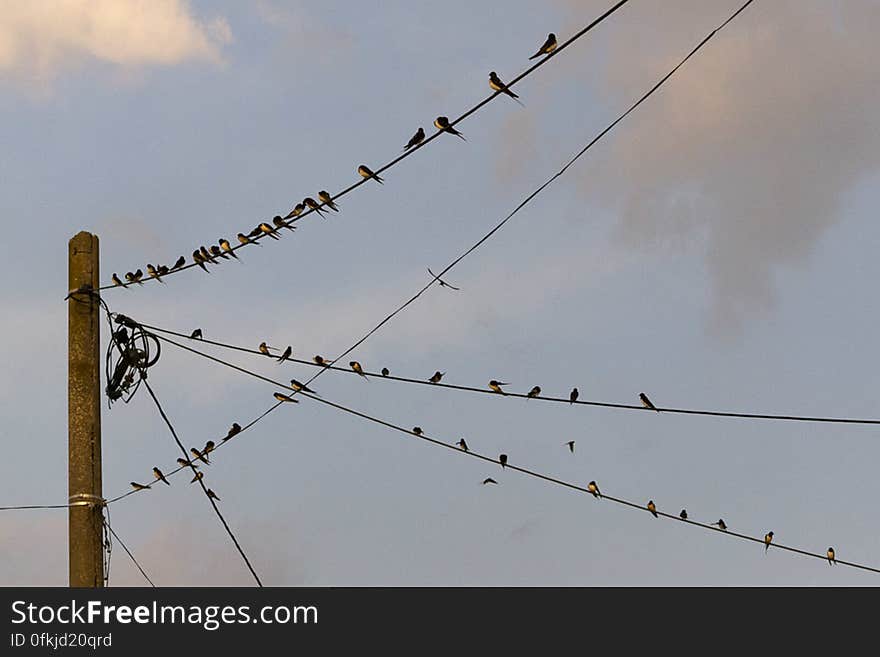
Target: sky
[{"x": 716, "y": 250}]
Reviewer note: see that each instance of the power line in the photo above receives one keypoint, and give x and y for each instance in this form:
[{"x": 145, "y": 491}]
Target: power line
[
  {"x": 128, "y": 552},
  {"x": 540, "y": 397},
  {"x": 525, "y": 201},
  {"x": 408, "y": 152},
  {"x": 199, "y": 479},
  {"x": 531, "y": 473}
]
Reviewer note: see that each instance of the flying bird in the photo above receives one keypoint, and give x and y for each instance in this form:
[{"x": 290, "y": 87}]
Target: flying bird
[
  {"x": 196, "y": 335},
  {"x": 496, "y": 84},
  {"x": 442, "y": 282},
  {"x": 385, "y": 371},
  {"x": 301, "y": 387},
  {"x": 284, "y": 356},
  {"x": 116, "y": 280},
  {"x": 768, "y": 538},
  {"x": 496, "y": 386},
  {"x": 683, "y": 515},
  {"x": 652, "y": 508},
  {"x": 570, "y": 444},
  {"x": 234, "y": 430},
  {"x": 489, "y": 480},
  {"x": 199, "y": 455},
  {"x": 830, "y": 555},
  {"x": 365, "y": 172},
  {"x": 181, "y": 261},
  {"x": 573, "y": 397},
  {"x": 356, "y": 366},
  {"x": 502, "y": 458},
  {"x": 327, "y": 200},
  {"x": 594, "y": 489},
  {"x": 721, "y": 524},
  {"x": 534, "y": 392},
  {"x": 461, "y": 443},
  {"x": 548, "y": 47},
  {"x": 213, "y": 495},
  {"x": 285, "y": 398},
  {"x": 197, "y": 476},
  {"x": 436, "y": 376},
  {"x": 157, "y": 473},
  {"x": 647, "y": 402},
  {"x": 416, "y": 139},
  {"x": 442, "y": 124},
  {"x": 264, "y": 349},
  {"x": 417, "y": 431},
  {"x": 138, "y": 486}
]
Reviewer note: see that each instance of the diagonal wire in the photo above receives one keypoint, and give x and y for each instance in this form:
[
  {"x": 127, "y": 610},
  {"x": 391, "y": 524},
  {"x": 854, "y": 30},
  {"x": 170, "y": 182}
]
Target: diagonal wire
[{"x": 128, "y": 552}]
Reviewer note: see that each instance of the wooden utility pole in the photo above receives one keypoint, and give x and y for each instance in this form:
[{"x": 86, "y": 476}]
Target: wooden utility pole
[{"x": 85, "y": 519}]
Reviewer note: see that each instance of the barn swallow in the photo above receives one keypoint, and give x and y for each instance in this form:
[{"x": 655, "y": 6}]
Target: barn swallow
[
  {"x": 548, "y": 47},
  {"x": 415, "y": 140},
  {"x": 162, "y": 269},
  {"x": 489, "y": 480},
  {"x": 594, "y": 489},
  {"x": 721, "y": 524},
  {"x": 216, "y": 252},
  {"x": 154, "y": 273},
  {"x": 266, "y": 229},
  {"x": 502, "y": 459},
  {"x": 264, "y": 349},
  {"x": 181, "y": 261},
  {"x": 116, "y": 280},
  {"x": 647, "y": 402},
  {"x": 196, "y": 335},
  {"x": 138, "y": 275},
  {"x": 285, "y": 398},
  {"x": 365, "y": 172},
  {"x": 683, "y": 515},
  {"x": 244, "y": 239},
  {"x": 461, "y": 443},
  {"x": 652, "y": 508},
  {"x": 234, "y": 430},
  {"x": 327, "y": 200},
  {"x": 199, "y": 455},
  {"x": 278, "y": 222},
  {"x": 157, "y": 473},
  {"x": 227, "y": 247},
  {"x": 442, "y": 123},
  {"x": 206, "y": 255},
  {"x": 313, "y": 204},
  {"x": 320, "y": 360},
  {"x": 199, "y": 260},
  {"x": 570, "y": 444},
  {"x": 131, "y": 278},
  {"x": 213, "y": 495},
  {"x": 385, "y": 371},
  {"x": 297, "y": 210},
  {"x": 417, "y": 431},
  {"x": 256, "y": 231},
  {"x": 768, "y": 538},
  {"x": 830, "y": 555},
  {"x": 183, "y": 463},
  {"x": 442, "y": 282},
  {"x": 209, "y": 447},
  {"x": 197, "y": 476},
  {"x": 301, "y": 387},
  {"x": 285, "y": 355},
  {"x": 573, "y": 397},
  {"x": 496, "y": 386},
  {"x": 534, "y": 392},
  {"x": 496, "y": 84},
  {"x": 138, "y": 486},
  {"x": 436, "y": 376}
]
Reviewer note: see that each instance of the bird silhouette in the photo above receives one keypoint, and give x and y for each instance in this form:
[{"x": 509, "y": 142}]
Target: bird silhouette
[
  {"x": 442, "y": 282},
  {"x": 415, "y": 140},
  {"x": 594, "y": 489},
  {"x": 385, "y": 371},
  {"x": 442, "y": 124},
  {"x": 721, "y": 524},
  {"x": 489, "y": 480},
  {"x": 652, "y": 508},
  {"x": 495, "y": 386},
  {"x": 138, "y": 486},
  {"x": 548, "y": 47},
  {"x": 830, "y": 555},
  {"x": 768, "y": 538},
  {"x": 502, "y": 458},
  {"x": 365, "y": 172},
  {"x": 647, "y": 402},
  {"x": 234, "y": 430},
  {"x": 286, "y": 354},
  {"x": 570, "y": 444},
  {"x": 461, "y": 443},
  {"x": 683, "y": 515},
  {"x": 157, "y": 473},
  {"x": 436, "y": 376},
  {"x": 534, "y": 392},
  {"x": 196, "y": 335}
]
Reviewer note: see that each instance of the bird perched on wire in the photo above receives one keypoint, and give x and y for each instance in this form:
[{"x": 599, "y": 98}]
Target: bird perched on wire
[
  {"x": 218, "y": 253},
  {"x": 647, "y": 402},
  {"x": 683, "y": 515},
  {"x": 442, "y": 124},
  {"x": 652, "y": 508},
  {"x": 534, "y": 392},
  {"x": 320, "y": 360},
  {"x": 197, "y": 476},
  {"x": 199, "y": 260},
  {"x": 417, "y": 431},
  {"x": 285, "y": 398},
  {"x": 138, "y": 486},
  {"x": 365, "y": 172},
  {"x": 234, "y": 430},
  {"x": 209, "y": 447},
  {"x": 181, "y": 261},
  {"x": 489, "y": 480},
  {"x": 157, "y": 473},
  {"x": 768, "y": 538},
  {"x": 502, "y": 459},
  {"x": 548, "y": 47},
  {"x": 213, "y": 495},
  {"x": 496, "y": 84},
  {"x": 183, "y": 463},
  {"x": 227, "y": 247},
  {"x": 442, "y": 282},
  {"x": 570, "y": 444},
  {"x": 279, "y": 223},
  {"x": 416, "y": 139},
  {"x": 162, "y": 269},
  {"x": 154, "y": 273},
  {"x": 573, "y": 397},
  {"x": 199, "y": 455},
  {"x": 116, "y": 280},
  {"x": 301, "y": 387},
  {"x": 461, "y": 443},
  {"x": 266, "y": 229},
  {"x": 830, "y": 555},
  {"x": 196, "y": 335},
  {"x": 286, "y": 354},
  {"x": 134, "y": 277},
  {"x": 244, "y": 239},
  {"x": 327, "y": 200},
  {"x": 385, "y": 371},
  {"x": 436, "y": 376},
  {"x": 264, "y": 349},
  {"x": 297, "y": 210},
  {"x": 495, "y": 386},
  {"x": 594, "y": 489},
  {"x": 311, "y": 203},
  {"x": 721, "y": 524},
  {"x": 206, "y": 255}
]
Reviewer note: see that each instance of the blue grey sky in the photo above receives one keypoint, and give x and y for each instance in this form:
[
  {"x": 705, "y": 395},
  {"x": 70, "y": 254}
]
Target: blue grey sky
[{"x": 717, "y": 250}]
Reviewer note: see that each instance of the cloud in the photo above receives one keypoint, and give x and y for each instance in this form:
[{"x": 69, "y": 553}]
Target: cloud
[
  {"x": 39, "y": 38},
  {"x": 749, "y": 151}
]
